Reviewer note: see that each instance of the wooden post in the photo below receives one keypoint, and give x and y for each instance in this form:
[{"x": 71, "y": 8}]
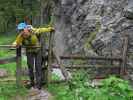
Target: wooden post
[
  {"x": 18, "y": 66},
  {"x": 44, "y": 58},
  {"x": 63, "y": 70},
  {"x": 50, "y": 57},
  {"x": 124, "y": 55}
]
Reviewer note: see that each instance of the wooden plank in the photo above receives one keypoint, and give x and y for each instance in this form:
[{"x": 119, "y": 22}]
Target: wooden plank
[
  {"x": 130, "y": 44},
  {"x": 10, "y": 46},
  {"x": 124, "y": 55},
  {"x": 18, "y": 65},
  {"x": 22, "y": 81},
  {"x": 7, "y": 60},
  {"x": 57, "y": 81},
  {"x": 91, "y": 58},
  {"x": 85, "y": 66},
  {"x": 130, "y": 50},
  {"x": 6, "y": 46},
  {"x": 8, "y": 79}
]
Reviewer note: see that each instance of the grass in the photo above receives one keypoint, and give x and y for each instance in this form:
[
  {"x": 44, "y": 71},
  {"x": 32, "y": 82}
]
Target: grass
[
  {"x": 7, "y": 39},
  {"x": 60, "y": 91},
  {"x": 4, "y": 52},
  {"x": 8, "y": 90}
]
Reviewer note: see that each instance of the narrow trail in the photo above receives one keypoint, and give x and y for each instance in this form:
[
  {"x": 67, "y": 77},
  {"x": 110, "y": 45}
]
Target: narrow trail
[{"x": 44, "y": 95}]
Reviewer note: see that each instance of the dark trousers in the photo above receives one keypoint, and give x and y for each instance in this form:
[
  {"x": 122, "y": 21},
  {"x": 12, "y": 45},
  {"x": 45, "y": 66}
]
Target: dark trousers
[{"x": 35, "y": 59}]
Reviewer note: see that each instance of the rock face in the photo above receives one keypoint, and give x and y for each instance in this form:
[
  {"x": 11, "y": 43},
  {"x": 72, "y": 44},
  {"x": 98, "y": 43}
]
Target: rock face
[{"x": 76, "y": 20}]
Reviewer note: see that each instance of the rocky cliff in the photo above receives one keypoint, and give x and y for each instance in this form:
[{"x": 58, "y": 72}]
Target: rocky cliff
[{"x": 92, "y": 25}]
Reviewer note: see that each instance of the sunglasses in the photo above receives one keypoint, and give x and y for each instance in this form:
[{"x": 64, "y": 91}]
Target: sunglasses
[{"x": 21, "y": 30}]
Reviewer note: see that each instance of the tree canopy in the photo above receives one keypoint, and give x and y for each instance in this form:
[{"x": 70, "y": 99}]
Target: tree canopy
[{"x": 15, "y": 11}]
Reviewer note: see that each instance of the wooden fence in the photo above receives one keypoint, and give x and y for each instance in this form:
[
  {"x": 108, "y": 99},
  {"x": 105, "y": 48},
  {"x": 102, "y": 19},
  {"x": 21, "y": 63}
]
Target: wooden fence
[
  {"x": 121, "y": 67},
  {"x": 16, "y": 59}
]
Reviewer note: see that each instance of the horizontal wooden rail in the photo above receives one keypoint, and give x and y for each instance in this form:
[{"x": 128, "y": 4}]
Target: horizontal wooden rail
[
  {"x": 7, "y": 60},
  {"x": 25, "y": 81},
  {"x": 86, "y": 66},
  {"x": 10, "y": 46},
  {"x": 91, "y": 58}
]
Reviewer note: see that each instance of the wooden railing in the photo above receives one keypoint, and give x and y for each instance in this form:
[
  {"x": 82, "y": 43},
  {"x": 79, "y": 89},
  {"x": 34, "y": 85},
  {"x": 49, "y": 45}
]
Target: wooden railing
[
  {"x": 16, "y": 59},
  {"x": 121, "y": 67}
]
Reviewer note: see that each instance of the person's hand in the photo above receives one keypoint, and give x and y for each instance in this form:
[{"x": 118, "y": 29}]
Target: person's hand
[
  {"x": 14, "y": 45},
  {"x": 52, "y": 29}
]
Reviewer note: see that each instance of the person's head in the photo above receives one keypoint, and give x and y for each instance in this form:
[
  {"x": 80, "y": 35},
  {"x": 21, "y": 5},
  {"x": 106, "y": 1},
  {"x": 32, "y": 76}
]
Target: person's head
[
  {"x": 23, "y": 30},
  {"x": 26, "y": 33}
]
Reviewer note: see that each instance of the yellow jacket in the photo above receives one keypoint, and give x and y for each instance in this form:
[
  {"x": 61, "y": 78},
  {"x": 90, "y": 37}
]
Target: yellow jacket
[{"x": 32, "y": 40}]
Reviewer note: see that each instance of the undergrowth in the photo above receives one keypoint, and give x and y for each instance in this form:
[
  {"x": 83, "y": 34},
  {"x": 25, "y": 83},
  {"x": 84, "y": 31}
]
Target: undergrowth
[
  {"x": 80, "y": 88},
  {"x": 9, "y": 90}
]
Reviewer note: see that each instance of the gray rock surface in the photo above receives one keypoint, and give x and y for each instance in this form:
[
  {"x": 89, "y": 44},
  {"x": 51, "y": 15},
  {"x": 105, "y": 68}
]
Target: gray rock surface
[{"x": 77, "y": 19}]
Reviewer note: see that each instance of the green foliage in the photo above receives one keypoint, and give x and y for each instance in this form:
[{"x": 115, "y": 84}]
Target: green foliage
[
  {"x": 10, "y": 10},
  {"x": 7, "y": 39},
  {"x": 55, "y": 77},
  {"x": 79, "y": 88},
  {"x": 61, "y": 92},
  {"x": 117, "y": 88},
  {"x": 9, "y": 91},
  {"x": 4, "y": 53},
  {"x": 11, "y": 68}
]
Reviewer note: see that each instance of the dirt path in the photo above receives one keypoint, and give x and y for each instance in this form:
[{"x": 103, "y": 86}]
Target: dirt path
[{"x": 44, "y": 95}]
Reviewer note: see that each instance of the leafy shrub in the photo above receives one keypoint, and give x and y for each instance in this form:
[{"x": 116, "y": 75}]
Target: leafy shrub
[{"x": 79, "y": 88}]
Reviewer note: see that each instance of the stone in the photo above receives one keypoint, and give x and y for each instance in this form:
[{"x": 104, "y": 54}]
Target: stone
[
  {"x": 3, "y": 73},
  {"x": 129, "y": 10},
  {"x": 101, "y": 2}
]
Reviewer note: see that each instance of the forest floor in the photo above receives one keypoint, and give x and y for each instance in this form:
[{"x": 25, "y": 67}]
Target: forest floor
[{"x": 44, "y": 95}]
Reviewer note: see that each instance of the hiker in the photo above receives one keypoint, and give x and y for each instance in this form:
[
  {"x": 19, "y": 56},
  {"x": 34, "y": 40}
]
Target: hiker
[{"x": 28, "y": 36}]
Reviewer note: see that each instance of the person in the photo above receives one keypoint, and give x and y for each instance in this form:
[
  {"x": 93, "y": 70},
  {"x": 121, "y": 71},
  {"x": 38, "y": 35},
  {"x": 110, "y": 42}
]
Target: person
[{"x": 28, "y": 36}]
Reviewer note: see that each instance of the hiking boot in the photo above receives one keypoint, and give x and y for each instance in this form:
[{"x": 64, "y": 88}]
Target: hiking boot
[{"x": 43, "y": 93}]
